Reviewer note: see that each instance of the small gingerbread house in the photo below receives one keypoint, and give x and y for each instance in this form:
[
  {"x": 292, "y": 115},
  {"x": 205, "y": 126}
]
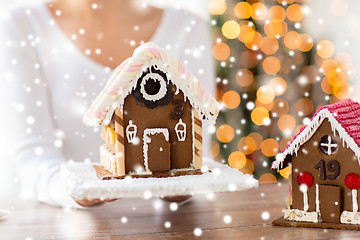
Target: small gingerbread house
[
  {"x": 152, "y": 110},
  {"x": 325, "y": 158}
]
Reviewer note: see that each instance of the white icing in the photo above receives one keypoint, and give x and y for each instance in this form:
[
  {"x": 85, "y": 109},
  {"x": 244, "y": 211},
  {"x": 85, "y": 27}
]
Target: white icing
[
  {"x": 354, "y": 200},
  {"x": 309, "y": 131},
  {"x": 147, "y": 140},
  {"x": 180, "y": 130},
  {"x": 162, "y": 90},
  {"x": 301, "y": 216},
  {"x": 304, "y": 190},
  {"x": 350, "y": 217},
  {"x": 317, "y": 201},
  {"x": 131, "y": 133}
]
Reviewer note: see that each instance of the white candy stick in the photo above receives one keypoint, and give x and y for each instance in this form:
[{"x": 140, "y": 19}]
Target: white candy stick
[
  {"x": 317, "y": 199},
  {"x": 354, "y": 200},
  {"x": 304, "y": 190}
]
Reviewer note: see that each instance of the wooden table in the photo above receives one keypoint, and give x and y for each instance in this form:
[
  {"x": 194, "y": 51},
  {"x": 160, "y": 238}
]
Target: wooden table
[{"x": 250, "y": 212}]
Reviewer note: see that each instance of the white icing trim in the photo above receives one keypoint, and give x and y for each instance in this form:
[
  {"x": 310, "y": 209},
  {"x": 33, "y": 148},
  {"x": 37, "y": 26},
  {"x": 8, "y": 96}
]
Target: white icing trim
[
  {"x": 317, "y": 201},
  {"x": 180, "y": 133},
  {"x": 301, "y": 216},
  {"x": 354, "y": 200},
  {"x": 131, "y": 134},
  {"x": 162, "y": 90},
  {"x": 309, "y": 131},
  {"x": 147, "y": 140},
  {"x": 350, "y": 217}
]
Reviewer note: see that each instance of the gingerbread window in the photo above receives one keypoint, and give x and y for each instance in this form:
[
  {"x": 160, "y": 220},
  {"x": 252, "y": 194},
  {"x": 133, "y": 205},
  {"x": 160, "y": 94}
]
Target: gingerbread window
[{"x": 328, "y": 145}]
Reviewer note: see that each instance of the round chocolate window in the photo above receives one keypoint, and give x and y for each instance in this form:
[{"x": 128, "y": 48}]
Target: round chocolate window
[
  {"x": 152, "y": 86},
  {"x": 328, "y": 145},
  {"x": 153, "y": 89}
]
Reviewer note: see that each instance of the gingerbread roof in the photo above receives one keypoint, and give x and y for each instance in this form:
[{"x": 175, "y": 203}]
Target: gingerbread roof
[
  {"x": 125, "y": 76},
  {"x": 344, "y": 118}
]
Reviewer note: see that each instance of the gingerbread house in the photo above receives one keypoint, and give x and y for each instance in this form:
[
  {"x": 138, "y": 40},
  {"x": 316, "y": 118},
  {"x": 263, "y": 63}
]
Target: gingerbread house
[
  {"x": 325, "y": 158},
  {"x": 151, "y": 111}
]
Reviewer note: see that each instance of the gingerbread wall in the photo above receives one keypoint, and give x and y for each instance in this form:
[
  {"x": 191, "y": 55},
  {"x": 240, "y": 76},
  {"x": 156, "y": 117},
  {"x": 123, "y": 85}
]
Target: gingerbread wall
[
  {"x": 309, "y": 155},
  {"x": 181, "y": 153}
]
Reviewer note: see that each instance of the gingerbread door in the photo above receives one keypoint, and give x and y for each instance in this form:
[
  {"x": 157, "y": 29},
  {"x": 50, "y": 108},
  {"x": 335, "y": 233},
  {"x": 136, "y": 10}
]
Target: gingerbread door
[
  {"x": 330, "y": 202},
  {"x": 156, "y": 149}
]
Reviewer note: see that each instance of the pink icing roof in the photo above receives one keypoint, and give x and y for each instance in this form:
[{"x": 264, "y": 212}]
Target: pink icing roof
[
  {"x": 124, "y": 78},
  {"x": 347, "y": 115}
]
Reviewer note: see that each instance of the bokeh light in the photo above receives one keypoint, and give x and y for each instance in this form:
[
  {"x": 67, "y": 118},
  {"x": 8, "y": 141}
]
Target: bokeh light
[
  {"x": 216, "y": 7},
  {"x": 255, "y": 43},
  {"x": 259, "y": 115},
  {"x": 230, "y": 29},
  {"x": 280, "y": 108},
  {"x": 247, "y": 145},
  {"x": 269, "y": 46},
  {"x": 325, "y": 49},
  {"x": 269, "y": 147},
  {"x": 306, "y": 42},
  {"x": 221, "y": 51},
  {"x": 231, "y": 99},
  {"x": 271, "y": 65},
  {"x": 265, "y": 94},
  {"x": 237, "y": 160},
  {"x": 247, "y": 32},
  {"x": 294, "y": 13},
  {"x": 286, "y": 123},
  {"x": 267, "y": 178},
  {"x": 292, "y": 40},
  {"x": 304, "y": 106},
  {"x": 277, "y": 13},
  {"x": 257, "y": 138},
  {"x": 278, "y": 85},
  {"x": 243, "y": 10},
  {"x": 244, "y": 77},
  {"x": 259, "y": 11},
  {"x": 225, "y": 133}
]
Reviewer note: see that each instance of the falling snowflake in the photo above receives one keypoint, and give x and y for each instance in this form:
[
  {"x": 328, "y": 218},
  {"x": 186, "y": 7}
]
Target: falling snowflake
[{"x": 197, "y": 232}]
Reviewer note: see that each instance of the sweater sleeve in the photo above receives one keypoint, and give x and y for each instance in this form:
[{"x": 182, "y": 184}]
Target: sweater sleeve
[{"x": 27, "y": 120}]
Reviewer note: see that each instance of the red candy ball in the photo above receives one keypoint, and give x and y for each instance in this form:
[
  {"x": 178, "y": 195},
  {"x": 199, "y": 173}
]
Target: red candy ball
[
  {"x": 305, "y": 178},
  {"x": 352, "y": 181}
]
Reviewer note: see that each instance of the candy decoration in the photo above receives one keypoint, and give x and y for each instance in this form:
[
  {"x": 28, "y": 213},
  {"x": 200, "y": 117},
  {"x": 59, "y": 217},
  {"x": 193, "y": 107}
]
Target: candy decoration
[
  {"x": 305, "y": 180},
  {"x": 180, "y": 129},
  {"x": 131, "y": 131},
  {"x": 352, "y": 181},
  {"x": 197, "y": 139}
]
